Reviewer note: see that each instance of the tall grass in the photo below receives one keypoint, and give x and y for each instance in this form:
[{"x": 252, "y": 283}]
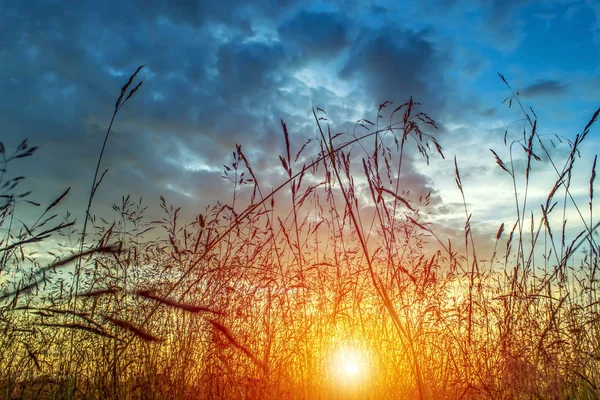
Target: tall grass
[{"x": 254, "y": 298}]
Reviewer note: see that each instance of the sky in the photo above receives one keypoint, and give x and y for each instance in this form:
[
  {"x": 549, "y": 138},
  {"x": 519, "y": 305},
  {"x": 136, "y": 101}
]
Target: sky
[{"x": 221, "y": 73}]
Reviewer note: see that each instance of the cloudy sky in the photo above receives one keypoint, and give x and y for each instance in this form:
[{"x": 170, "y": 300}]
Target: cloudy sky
[{"x": 223, "y": 72}]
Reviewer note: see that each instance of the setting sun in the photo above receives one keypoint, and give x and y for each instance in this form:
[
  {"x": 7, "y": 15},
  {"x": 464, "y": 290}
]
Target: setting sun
[
  {"x": 350, "y": 364},
  {"x": 351, "y": 368}
]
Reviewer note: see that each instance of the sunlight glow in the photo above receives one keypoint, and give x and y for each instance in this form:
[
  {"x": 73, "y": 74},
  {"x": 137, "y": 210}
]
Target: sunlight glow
[
  {"x": 349, "y": 365},
  {"x": 351, "y": 368}
]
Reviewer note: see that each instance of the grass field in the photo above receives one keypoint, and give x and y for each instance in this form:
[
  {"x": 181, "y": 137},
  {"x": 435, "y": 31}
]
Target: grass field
[{"x": 333, "y": 285}]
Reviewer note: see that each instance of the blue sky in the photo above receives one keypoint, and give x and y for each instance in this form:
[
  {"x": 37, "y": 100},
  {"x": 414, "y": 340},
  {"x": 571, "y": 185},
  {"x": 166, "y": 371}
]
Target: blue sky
[{"x": 225, "y": 72}]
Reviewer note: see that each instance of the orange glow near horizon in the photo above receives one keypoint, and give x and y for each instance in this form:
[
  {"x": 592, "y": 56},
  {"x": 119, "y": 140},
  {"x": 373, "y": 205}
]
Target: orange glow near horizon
[{"x": 349, "y": 365}]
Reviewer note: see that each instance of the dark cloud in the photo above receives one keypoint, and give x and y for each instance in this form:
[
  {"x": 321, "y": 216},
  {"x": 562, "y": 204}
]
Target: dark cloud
[
  {"x": 245, "y": 69},
  {"x": 394, "y": 65},
  {"x": 197, "y": 13},
  {"x": 317, "y": 35},
  {"x": 504, "y": 23},
  {"x": 502, "y": 10},
  {"x": 498, "y": 22},
  {"x": 474, "y": 67},
  {"x": 545, "y": 88}
]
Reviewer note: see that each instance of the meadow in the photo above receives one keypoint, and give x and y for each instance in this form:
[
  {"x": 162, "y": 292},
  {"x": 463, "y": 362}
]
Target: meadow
[{"x": 333, "y": 284}]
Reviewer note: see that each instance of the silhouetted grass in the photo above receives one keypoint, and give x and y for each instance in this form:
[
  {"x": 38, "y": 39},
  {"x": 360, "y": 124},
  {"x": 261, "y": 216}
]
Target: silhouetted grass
[{"x": 255, "y": 298}]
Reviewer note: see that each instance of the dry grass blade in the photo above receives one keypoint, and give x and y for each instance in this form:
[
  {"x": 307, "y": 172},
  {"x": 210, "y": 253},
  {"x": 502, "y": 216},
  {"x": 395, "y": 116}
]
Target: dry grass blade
[
  {"x": 225, "y": 332},
  {"x": 500, "y": 162},
  {"x": 590, "y": 123},
  {"x": 171, "y": 303},
  {"x": 302, "y": 149},
  {"x": 99, "y": 182},
  {"x": 58, "y": 200},
  {"x": 134, "y": 89},
  {"x": 457, "y": 177},
  {"x": 287, "y": 140},
  {"x": 126, "y": 86},
  {"x": 82, "y": 327},
  {"x": 32, "y": 355},
  {"x": 500, "y": 230},
  {"x": 502, "y": 77},
  {"x": 100, "y": 292},
  {"x": 530, "y": 153},
  {"x": 396, "y": 196},
  {"x": 27, "y": 153},
  {"x": 592, "y": 179},
  {"x": 145, "y": 336},
  {"x": 48, "y": 311},
  {"x": 584, "y": 239}
]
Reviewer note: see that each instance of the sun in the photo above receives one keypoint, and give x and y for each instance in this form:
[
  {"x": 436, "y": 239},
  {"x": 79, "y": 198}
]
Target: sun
[
  {"x": 351, "y": 368},
  {"x": 349, "y": 364}
]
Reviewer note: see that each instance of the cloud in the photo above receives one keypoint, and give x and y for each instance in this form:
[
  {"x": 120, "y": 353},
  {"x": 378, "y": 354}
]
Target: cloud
[
  {"x": 196, "y": 13},
  {"x": 221, "y": 73},
  {"x": 315, "y": 35},
  {"x": 544, "y": 87},
  {"x": 474, "y": 67},
  {"x": 210, "y": 81},
  {"x": 245, "y": 69},
  {"x": 394, "y": 65},
  {"x": 497, "y": 23}
]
